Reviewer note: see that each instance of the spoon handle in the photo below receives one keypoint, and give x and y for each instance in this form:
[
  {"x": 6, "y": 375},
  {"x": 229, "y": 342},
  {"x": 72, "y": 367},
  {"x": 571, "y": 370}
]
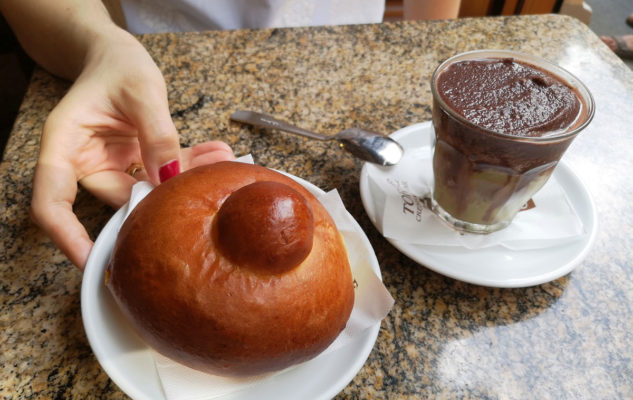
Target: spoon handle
[{"x": 267, "y": 121}]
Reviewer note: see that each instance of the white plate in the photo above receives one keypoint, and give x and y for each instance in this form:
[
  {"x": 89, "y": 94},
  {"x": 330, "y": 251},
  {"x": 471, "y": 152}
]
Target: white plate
[
  {"x": 129, "y": 362},
  {"x": 494, "y": 266}
]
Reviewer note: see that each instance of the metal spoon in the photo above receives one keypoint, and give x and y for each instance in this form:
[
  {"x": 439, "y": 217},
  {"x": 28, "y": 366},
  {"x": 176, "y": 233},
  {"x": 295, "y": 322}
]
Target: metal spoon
[{"x": 366, "y": 145}]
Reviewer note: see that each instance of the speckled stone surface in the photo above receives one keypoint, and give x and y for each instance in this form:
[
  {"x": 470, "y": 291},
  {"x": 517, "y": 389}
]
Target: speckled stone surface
[{"x": 570, "y": 338}]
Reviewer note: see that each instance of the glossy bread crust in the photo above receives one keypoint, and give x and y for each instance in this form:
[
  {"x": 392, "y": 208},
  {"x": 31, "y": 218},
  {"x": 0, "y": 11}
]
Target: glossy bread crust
[
  {"x": 267, "y": 226},
  {"x": 196, "y": 305}
]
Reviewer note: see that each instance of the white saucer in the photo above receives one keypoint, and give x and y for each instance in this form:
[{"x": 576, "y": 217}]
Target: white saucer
[
  {"x": 130, "y": 364},
  {"x": 494, "y": 266}
]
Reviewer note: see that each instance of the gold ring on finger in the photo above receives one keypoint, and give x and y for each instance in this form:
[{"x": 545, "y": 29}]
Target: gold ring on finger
[{"x": 134, "y": 168}]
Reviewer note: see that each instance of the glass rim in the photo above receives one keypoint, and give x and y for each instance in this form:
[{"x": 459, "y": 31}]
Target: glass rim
[{"x": 560, "y": 72}]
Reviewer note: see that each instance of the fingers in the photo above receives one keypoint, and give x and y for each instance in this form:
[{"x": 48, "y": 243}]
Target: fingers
[
  {"x": 206, "y": 153},
  {"x": 114, "y": 187},
  {"x": 211, "y": 146},
  {"x": 145, "y": 104},
  {"x": 54, "y": 191},
  {"x": 111, "y": 187}
]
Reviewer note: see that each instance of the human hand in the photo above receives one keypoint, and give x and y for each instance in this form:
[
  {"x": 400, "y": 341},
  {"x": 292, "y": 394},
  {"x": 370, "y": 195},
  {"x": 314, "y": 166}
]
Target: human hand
[{"x": 114, "y": 116}]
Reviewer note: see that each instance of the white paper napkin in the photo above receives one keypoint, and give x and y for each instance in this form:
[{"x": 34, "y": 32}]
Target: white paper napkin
[
  {"x": 403, "y": 216},
  {"x": 372, "y": 303}
]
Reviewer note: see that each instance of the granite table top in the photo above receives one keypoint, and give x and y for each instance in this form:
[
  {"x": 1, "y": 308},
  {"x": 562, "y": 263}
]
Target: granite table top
[{"x": 569, "y": 338}]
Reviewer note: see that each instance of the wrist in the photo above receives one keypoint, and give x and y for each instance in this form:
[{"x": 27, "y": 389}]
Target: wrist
[{"x": 110, "y": 44}]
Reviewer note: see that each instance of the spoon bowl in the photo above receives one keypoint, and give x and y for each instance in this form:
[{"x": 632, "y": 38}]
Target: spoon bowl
[{"x": 366, "y": 145}]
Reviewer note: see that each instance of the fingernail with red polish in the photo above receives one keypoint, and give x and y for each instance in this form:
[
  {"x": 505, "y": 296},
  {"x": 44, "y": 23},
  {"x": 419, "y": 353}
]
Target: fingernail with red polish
[{"x": 169, "y": 170}]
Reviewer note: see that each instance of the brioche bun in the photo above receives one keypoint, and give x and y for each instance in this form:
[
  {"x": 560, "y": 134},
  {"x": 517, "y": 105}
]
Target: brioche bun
[{"x": 232, "y": 269}]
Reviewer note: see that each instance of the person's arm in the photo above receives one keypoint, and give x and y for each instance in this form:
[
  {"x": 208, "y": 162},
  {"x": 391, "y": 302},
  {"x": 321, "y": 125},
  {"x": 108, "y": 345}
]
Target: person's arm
[
  {"x": 431, "y": 9},
  {"x": 58, "y": 34},
  {"x": 114, "y": 116}
]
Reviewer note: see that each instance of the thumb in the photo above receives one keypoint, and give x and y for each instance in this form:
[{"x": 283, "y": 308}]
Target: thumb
[{"x": 148, "y": 110}]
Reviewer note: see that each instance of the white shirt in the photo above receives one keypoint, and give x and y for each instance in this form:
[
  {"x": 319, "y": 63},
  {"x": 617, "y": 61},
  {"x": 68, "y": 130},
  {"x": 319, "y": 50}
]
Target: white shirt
[{"x": 151, "y": 16}]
